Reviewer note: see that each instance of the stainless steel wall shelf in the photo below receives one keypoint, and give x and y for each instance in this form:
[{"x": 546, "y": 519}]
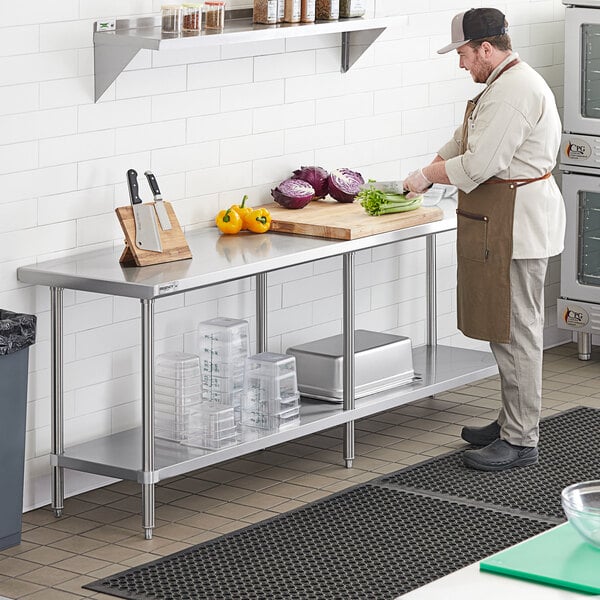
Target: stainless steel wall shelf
[
  {"x": 114, "y": 49},
  {"x": 136, "y": 454}
]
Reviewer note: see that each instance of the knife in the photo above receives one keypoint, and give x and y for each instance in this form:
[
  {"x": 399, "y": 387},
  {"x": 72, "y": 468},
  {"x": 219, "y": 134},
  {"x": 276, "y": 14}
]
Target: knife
[
  {"x": 146, "y": 229},
  {"x": 161, "y": 209}
]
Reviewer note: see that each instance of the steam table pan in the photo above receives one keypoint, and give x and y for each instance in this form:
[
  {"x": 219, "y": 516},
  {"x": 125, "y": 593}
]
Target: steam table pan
[{"x": 381, "y": 361}]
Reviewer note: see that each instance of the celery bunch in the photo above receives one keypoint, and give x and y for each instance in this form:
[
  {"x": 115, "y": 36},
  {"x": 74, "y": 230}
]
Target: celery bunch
[{"x": 376, "y": 202}]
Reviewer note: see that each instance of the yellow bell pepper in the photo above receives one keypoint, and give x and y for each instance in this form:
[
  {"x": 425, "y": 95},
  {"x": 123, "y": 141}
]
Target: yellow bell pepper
[
  {"x": 258, "y": 221},
  {"x": 242, "y": 209},
  {"x": 228, "y": 221}
]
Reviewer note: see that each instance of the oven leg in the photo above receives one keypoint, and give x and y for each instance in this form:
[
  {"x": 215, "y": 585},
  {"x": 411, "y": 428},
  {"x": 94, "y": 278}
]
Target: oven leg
[{"x": 584, "y": 345}]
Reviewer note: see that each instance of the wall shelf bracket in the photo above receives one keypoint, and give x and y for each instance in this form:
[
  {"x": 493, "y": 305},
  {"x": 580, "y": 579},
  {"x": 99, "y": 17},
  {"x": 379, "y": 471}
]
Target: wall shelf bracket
[
  {"x": 109, "y": 62},
  {"x": 355, "y": 44}
]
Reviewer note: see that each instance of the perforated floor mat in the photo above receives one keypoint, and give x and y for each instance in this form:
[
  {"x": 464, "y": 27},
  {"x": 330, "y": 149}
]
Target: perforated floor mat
[
  {"x": 569, "y": 451},
  {"x": 383, "y": 538},
  {"x": 366, "y": 543}
]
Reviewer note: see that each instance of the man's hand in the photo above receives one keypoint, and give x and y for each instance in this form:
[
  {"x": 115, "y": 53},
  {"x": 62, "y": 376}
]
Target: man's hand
[{"x": 416, "y": 182}]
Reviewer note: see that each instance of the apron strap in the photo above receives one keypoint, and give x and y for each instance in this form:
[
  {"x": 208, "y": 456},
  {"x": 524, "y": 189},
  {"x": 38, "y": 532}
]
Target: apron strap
[{"x": 519, "y": 182}]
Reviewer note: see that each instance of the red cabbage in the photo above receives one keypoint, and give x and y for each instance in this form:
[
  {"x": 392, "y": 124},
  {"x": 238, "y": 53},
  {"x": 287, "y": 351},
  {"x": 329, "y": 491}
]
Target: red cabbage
[
  {"x": 344, "y": 184},
  {"x": 317, "y": 177},
  {"x": 293, "y": 193}
]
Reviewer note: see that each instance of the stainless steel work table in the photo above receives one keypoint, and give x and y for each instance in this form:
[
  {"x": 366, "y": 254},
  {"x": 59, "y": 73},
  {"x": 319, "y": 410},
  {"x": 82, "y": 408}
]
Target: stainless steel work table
[{"x": 135, "y": 454}]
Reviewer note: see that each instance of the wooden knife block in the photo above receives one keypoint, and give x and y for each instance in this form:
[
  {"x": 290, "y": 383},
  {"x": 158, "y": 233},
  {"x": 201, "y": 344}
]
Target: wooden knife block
[{"x": 174, "y": 244}]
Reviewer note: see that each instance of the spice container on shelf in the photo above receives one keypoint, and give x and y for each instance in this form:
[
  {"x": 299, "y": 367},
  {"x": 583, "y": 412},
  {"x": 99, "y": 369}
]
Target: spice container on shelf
[
  {"x": 192, "y": 17},
  {"x": 214, "y": 17},
  {"x": 292, "y": 11},
  {"x": 265, "y": 11},
  {"x": 328, "y": 10},
  {"x": 280, "y": 11},
  {"x": 352, "y": 8},
  {"x": 171, "y": 18},
  {"x": 308, "y": 11}
]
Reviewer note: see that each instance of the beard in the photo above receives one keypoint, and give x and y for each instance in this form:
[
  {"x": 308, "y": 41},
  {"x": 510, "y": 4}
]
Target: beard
[{"x": 480, "y": 70}]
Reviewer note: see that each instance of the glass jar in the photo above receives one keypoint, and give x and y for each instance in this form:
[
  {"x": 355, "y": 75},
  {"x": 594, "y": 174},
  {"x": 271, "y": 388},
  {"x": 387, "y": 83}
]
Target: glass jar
[
  {"x": 280, "y": 10},
  {"x": 307, "y": 12},
  {"x": 352, "y": 8},
  {"x": 214, "y": 14},
  {"x": 292, "y": 11},
  {"x": 171, "y": 18},
  {"x": 265, "y": 11},
  {"x": 192, "y": 17},
  {"x": 328, "y": 10}
]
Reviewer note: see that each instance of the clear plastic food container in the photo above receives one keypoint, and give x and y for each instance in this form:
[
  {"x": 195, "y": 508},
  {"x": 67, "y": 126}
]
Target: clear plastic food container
[
  {"x": 192, "y": 17},
  {"x": 214, "y": 15},
  {"x": 177, "y": 365},
  {"x": 352, "y": 8},
  {"x": 265, "y": 12},
  {"x": 277, "y": 422},
  {"x": 292, "y": 11},
  {"x": 308, "y": 11},
  {"x": 328, "y": 10},
  {"x": 171, "y": 18}
]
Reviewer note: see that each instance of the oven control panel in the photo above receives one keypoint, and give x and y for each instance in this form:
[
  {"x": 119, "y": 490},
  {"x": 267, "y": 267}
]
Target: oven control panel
[{"x": 582, "y": 150}]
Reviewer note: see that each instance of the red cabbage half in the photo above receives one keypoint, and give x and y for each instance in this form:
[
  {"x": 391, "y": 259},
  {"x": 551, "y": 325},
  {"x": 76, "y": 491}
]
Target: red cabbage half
[
  {"x": 317, "y": 177},
  {"x": 293, "y": 193},
  {"x": 344, "y": 184}
]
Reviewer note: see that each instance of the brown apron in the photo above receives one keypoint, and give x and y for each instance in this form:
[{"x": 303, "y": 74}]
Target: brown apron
[{"x": 484, "y": 251}]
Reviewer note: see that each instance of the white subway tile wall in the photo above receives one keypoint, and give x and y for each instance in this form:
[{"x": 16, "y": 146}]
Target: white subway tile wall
[{"x": 214, "y": 124}]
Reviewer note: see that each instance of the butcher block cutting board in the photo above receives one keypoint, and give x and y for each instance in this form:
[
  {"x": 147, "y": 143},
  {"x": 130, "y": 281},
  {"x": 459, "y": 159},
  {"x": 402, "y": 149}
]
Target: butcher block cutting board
[{"x": 344, "y": 221}]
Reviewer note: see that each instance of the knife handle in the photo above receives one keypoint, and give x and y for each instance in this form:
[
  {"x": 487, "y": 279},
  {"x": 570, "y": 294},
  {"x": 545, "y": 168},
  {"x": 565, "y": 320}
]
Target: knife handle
[
  {"x": 153, "y": 185},
  {"x": 133, "y": 186}
]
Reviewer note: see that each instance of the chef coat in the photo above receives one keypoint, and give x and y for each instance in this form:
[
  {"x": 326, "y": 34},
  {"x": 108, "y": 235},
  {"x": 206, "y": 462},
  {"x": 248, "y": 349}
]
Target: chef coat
[{"x": 514, "y": 133}]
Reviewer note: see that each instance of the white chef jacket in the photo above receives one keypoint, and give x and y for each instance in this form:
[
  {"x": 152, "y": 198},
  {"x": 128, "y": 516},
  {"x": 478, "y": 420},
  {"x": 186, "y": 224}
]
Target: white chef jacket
[{"x": 514, "y": 133}]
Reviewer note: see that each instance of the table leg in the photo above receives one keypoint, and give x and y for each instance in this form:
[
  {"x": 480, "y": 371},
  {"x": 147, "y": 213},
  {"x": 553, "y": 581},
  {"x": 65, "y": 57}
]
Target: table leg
[
  {"x": 430, "y": 253},
  {"x": 261, "y": 312},
  {"x": 348, "y": 336},
  {"x": 147, "y": 318},
  {"x": 58, "y": 443}
]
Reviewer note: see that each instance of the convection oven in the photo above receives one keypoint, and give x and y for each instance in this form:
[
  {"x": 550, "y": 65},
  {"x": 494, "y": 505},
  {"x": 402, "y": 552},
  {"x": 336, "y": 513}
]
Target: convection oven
[{"x": 579, "y": 304}]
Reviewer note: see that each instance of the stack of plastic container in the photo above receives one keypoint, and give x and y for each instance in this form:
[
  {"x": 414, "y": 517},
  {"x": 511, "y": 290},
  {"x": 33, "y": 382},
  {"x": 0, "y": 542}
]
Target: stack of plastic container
[
  {"x": 177, "y": 392},
  {"x": 212, "y": 426},
  {"x": 271, "y": 399},
  {"x": 223, "y": 348}
]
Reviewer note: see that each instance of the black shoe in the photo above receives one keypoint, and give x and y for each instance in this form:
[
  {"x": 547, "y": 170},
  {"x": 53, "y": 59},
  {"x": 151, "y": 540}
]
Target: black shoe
[
  {"x": 481, "y": 436},
  {"x": 500, "y": 455}
]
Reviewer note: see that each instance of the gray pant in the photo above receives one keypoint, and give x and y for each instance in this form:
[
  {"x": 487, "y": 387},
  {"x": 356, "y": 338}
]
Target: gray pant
[{"x": 520, "y": 361}]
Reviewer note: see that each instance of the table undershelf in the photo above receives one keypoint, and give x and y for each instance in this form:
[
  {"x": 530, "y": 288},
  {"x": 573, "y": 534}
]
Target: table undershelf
[{"x": 440, "y": 368}]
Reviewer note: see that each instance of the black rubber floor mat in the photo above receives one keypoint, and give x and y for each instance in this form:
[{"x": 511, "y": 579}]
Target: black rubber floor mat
[
  {"x": 569, "y": 451},
  {"x": 369, "y": 542}
]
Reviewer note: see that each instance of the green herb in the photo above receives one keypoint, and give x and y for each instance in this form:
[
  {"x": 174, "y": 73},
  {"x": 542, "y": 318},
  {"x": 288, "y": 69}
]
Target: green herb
[{"x": 375, "y": 202}]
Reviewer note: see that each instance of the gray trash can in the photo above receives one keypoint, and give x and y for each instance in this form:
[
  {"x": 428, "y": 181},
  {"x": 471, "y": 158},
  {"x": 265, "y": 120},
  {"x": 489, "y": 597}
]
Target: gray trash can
[{"x": 17, "y": 333}]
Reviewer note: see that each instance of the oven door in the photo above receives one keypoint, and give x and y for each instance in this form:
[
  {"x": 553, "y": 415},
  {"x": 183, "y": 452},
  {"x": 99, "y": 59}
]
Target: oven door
[
  {"x": 582, "y": 70},
  {"x": 580, "y": 262}
]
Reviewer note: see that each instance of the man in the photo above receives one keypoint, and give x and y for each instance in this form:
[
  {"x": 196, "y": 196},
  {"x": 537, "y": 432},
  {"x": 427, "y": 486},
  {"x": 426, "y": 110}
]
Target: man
[{"x": 510, "y": 220}]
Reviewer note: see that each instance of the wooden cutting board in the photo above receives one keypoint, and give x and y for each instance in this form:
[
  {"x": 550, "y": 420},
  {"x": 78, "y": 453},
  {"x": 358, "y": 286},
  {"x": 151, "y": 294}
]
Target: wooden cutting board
[{"x": 344, "y": 221}]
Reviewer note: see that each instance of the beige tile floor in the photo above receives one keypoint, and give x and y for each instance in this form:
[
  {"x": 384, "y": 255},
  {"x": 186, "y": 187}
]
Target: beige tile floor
[{"x": 100, "y": 532}]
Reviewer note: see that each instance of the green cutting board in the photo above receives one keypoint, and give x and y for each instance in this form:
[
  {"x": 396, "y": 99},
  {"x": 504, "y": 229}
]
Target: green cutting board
[{"x": 558, "y": 557}]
